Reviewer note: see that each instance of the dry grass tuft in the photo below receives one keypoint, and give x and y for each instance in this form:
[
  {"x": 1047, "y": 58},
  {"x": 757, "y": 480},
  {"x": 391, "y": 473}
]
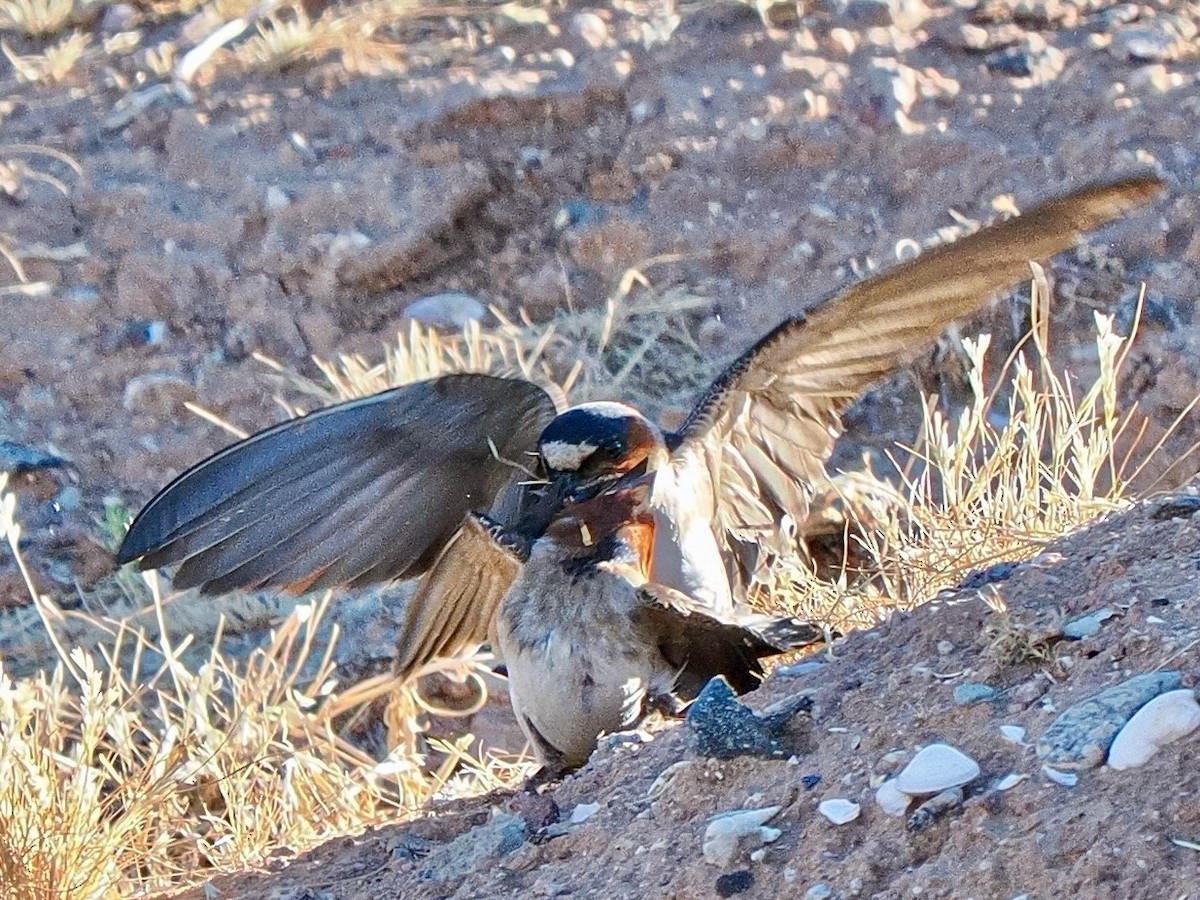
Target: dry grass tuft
[
  {"x": 53, "y": 64},
  {"x": 1024, "y": 463},
  {"x": 126, "y": 777},
  {"x": 35, "y": 18}
]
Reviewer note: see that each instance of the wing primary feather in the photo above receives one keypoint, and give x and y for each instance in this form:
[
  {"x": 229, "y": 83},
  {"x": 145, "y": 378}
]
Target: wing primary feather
[{"x": 364, "y": 491}]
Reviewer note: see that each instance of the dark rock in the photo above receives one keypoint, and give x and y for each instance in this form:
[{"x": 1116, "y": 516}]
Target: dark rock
[
  {"x": 734, "y": 883},
  {"x": 724, "y": 727},
  {"x": 17, "y": 460},
  {"x": 981, "y": 578},
  {"x": 1176, "y": 508}
]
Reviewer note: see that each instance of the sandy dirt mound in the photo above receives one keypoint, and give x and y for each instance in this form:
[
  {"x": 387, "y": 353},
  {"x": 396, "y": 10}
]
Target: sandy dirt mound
[{"x": 887, "y": 693}]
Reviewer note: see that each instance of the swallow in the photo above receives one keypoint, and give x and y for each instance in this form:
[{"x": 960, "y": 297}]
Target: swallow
[{"x": 616, "y": 580}]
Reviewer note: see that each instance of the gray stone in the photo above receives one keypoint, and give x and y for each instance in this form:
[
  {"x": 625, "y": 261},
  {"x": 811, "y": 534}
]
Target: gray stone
[
  {"x": 1081, "y": 736},
  {"x": 467, "y": 852},
  {"x": 452, "y": 308},
  {"x": 1161, "y": 39},
  {"x": 723, "y": 727},
  {"x": 973, "y": 692},
  {"x": 1087, "y": 626}
]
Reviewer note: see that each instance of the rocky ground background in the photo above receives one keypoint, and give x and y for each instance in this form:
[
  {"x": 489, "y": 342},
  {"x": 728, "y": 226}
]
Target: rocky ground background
[{"x": 747, "y": 161}]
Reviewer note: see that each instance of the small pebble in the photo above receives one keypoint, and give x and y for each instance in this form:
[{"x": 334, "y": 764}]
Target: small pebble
[
  {"x": 730, "y": 832},
  {"x": 1010, "y": 781},
  {"x": 944, "y": 648},
  {"x": 839, "y": 811},
  {"x": 1014, "y": 734},
  {"x": 1066, "y": 779},
  {"x": 452, "y": 308},
  {"x": 973, "y": 692},
  {"x": 797, "y": 669},
  {"x": 582, "y": 812},
  {"x": 810, "y": 781},
  {"x": 1087, "y": 626},
  {"x": 893, "y": 801},
  {"x": 819, "y": 891},
  {"x": 936, "y": 768},
  {"x": 1168, "y": 717},
  {"x": 591, "y": 28}
]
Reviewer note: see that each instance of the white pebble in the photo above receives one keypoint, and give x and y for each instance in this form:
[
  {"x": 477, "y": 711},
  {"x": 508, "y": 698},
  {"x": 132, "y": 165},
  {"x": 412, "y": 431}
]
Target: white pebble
[
  {"x": 1166, "y": 718},
  {"x": 839, "y": 811},
  {"x": 1010, "y": 781},
  {"x": 1066, "y": 779},
  {"x": 453, "y": 308},
  {"x": 582, "y": 812},
  {"x": 936, "y": 768},
  {"x": 726, "y": 833},
  {"x": 1014, "y": 734},
  {"x": 893, "y": 801}
]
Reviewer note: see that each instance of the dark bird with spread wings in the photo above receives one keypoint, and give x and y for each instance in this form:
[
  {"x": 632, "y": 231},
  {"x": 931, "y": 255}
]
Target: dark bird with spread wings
[{"x": 619, "y": 580}]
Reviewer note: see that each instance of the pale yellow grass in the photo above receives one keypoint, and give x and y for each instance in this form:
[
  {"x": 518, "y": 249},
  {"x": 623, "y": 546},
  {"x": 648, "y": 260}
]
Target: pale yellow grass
[{"x": 1035, "y": 457}]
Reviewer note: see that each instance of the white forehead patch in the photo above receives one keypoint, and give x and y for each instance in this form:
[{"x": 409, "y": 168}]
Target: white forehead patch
[
  {"x": 566, "y": 457},
  {"x": 607, "y": 409}
]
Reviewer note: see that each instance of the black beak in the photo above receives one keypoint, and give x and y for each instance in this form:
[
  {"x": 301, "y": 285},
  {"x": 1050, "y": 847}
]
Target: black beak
[{"x": 575, "y": 490}]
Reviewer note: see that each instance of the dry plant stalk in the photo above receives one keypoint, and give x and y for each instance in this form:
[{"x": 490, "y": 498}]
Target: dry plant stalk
[
  {"x": 124, "y": 778},
  {"x": 995, "y": 485},
  {"x": 35, "y": 18}
]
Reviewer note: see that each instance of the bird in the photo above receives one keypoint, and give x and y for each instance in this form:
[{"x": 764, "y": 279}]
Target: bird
[{"x": 606, "y": 559}]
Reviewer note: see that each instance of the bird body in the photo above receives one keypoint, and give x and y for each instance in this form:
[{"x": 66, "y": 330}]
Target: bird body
[
  {"x": 571, "y": 622},
  {"x": 618, "y": 578}
]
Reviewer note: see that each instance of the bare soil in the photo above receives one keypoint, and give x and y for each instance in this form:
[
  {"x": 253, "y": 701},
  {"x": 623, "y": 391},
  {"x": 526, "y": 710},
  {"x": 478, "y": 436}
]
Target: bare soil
[
  {"x": 755, "y": 162},
  {"x": 888, "y": 690}
]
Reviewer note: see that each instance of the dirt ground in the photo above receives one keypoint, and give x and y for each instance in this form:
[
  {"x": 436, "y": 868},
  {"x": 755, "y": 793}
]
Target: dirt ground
[
  {"x": 887, "y": 693},
  {"x": 753, "y": 158}
]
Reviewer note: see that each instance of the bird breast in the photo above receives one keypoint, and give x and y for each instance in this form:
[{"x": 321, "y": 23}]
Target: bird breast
[{"x": 577, "y": 666}]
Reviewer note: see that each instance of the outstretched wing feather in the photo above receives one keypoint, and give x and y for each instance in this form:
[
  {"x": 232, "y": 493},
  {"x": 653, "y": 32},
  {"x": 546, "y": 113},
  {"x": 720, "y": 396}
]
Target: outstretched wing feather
[
  {"x": 763, "y": 431},
  {"x": 364, "y": 491}
]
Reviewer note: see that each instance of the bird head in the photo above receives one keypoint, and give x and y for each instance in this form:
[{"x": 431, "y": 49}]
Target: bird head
[{"x": 592, "y": 448}]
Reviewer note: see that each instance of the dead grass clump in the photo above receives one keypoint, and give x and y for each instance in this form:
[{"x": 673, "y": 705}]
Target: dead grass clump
[
  {"x": 131, "y": 773},
  {"x": 1022, "y": 464},
  {"x": 35, "y": 18}
]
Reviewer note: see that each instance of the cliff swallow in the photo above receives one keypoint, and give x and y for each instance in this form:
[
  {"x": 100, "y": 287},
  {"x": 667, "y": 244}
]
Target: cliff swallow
[{"x": 620, "y": 580}]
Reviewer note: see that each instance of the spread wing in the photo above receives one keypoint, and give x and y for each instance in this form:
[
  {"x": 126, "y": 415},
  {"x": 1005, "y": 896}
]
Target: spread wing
[
  {"x": 364, "y": 491},
  {"x": 759, "y": 438}
]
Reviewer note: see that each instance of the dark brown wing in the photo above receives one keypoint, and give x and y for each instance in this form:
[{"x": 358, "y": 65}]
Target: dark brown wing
[
  {"x": 757, "y": 441},
  {"x": 700, "y": 645},
  {"x": 365, "y": 491}
]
